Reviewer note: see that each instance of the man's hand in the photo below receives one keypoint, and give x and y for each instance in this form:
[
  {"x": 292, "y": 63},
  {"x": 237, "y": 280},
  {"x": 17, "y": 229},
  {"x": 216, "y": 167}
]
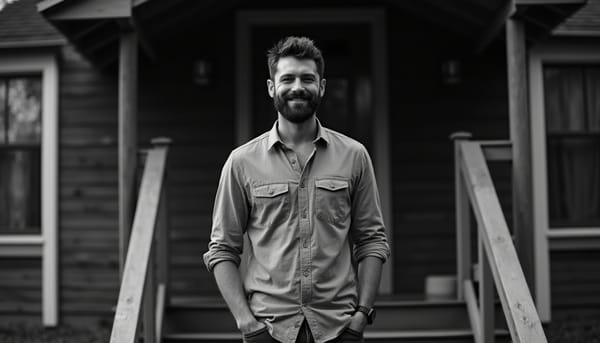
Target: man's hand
[
  {"x": 250, "y": 326},
  {"x": 358, "y": 322}
]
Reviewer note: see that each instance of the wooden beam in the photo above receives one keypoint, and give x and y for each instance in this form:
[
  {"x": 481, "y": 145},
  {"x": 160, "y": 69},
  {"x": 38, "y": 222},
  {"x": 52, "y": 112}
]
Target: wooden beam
[
  {"x": 463, "y": 219},
  {"x": 495, "y": 26},
  {"x": 85, "y": 9},
  {"x": 128, "y": 75},
  {"x": 520, "y": 135}
]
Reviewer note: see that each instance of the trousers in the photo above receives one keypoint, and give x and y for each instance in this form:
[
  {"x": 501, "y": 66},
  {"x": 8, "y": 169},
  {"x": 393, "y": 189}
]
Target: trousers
[{"x": 304, "y": 336}]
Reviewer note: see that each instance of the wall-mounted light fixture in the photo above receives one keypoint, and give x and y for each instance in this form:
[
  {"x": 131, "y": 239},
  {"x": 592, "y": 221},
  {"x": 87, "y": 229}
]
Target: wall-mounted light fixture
[
  {"x": 203, "y": 72},
  {"x": 451, "y": 74}
]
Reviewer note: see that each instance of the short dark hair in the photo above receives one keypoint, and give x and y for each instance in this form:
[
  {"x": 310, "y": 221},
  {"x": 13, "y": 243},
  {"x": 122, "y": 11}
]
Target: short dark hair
[{"x": 298, "y": 47}]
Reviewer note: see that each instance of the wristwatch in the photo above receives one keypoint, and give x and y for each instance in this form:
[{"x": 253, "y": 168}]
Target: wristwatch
[{"x": 369, "y": 313}]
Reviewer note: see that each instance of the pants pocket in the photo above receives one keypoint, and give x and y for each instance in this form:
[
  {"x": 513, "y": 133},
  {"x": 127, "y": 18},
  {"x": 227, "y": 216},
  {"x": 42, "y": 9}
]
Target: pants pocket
[
  {"x": 349, "y": 335},
  {"x": 258, "y": 336}
]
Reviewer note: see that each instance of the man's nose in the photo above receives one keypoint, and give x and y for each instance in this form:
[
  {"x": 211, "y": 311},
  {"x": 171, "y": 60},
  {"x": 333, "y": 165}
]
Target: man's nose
[{"x": 297, "y": 84}]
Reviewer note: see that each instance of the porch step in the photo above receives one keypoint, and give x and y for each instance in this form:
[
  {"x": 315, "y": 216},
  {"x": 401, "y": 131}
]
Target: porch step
[
  {"x": 400, "y": 336},
  {"x": 208, "y": 319}
]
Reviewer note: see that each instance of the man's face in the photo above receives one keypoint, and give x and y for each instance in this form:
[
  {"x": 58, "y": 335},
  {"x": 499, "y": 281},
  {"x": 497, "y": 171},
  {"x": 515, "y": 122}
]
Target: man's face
[{"x": 296, "y": 88}]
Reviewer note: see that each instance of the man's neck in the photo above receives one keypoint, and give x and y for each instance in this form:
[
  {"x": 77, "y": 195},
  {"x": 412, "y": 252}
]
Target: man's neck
[{"x": 297, "y": 133}]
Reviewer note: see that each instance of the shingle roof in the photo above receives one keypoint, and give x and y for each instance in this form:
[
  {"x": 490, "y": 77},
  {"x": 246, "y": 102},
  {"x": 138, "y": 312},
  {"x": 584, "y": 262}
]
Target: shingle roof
[
  {"x": 21, "y": 25},
  {"x": 584, "y": 22}
]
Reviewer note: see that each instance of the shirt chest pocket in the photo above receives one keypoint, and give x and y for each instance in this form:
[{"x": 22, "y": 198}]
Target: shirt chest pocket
[
  {"x": 271, "y": 204},
  {"x": 333, "y": 201}
]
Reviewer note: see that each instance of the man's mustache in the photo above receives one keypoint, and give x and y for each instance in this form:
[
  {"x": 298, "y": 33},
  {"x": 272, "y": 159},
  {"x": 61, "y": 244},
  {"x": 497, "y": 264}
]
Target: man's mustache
[{"x": 300, "y": 94}]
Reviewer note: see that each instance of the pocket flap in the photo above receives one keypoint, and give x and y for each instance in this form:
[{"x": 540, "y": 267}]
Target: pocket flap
[
  {"x": 269, "y": 191},
  {"x": 331, "y": 184}
]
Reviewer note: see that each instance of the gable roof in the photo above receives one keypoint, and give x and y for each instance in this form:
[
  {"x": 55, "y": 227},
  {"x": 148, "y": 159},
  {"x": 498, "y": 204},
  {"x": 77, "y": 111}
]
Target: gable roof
[
  {"x": 21, "y": 25},
  {"x": 585, "y": 22}
]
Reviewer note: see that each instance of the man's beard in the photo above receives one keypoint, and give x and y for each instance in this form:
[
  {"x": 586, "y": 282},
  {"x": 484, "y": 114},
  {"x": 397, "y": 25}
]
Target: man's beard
[{"x": 297, "y": 113}]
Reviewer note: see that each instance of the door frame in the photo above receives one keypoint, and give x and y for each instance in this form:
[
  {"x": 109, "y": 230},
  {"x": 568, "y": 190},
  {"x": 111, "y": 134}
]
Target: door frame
[{"x": 375, "y": 18}]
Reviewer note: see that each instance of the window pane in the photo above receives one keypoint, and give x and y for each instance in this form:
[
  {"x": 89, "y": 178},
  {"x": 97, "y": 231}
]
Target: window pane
[
  {"x": 25, "y": 110},
  {"x": 20, "y": 202},
  {"x": 564, "y": 97},
  {"x": 2, "y": 111},
  {"x": 593, "y": 97},
  {"x": 573, "y": 181}
]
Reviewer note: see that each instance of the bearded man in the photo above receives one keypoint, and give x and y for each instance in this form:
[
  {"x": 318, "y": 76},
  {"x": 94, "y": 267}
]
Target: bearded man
[{"x": 307, "y": 199}]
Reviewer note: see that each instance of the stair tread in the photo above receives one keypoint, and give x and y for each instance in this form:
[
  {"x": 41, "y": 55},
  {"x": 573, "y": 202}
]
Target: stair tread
[{"x": 379, "y": 334}]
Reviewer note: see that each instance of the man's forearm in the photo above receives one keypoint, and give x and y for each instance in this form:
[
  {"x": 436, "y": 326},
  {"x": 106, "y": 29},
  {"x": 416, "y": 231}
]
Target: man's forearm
[
  {"x": 230, "y": 284},
  {"x": 369, "y": 275}
]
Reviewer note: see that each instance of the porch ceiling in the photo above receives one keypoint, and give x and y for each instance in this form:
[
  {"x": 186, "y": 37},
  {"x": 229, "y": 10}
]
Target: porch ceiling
[{"x": 94, "y": 26}]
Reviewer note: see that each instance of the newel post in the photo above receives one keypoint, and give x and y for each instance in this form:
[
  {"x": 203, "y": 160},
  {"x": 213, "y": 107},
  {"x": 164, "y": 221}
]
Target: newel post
[{"x": 463, "y": 219}]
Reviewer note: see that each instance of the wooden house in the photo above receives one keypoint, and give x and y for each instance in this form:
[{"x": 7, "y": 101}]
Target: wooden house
[{"x": 85, "y": 84}]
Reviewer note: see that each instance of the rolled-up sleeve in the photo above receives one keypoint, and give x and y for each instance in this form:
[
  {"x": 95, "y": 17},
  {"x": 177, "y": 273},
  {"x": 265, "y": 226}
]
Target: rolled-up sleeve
[
  {"x": 230, "y": 215},
  {"x": 367, "y": 228}
]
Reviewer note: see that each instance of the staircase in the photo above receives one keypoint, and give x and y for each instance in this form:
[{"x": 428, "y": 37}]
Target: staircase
[{"x": 208, "y": 320}]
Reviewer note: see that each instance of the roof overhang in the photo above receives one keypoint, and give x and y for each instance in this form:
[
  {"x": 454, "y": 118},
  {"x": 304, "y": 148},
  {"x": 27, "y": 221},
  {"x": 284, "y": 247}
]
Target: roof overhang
[{"x": 95, "y": 26}]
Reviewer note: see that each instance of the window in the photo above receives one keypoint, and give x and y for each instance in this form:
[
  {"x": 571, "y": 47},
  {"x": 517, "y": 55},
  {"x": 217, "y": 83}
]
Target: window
[
  {"x": 572, "y": 108},
  {"x": 20, "y": 153}
]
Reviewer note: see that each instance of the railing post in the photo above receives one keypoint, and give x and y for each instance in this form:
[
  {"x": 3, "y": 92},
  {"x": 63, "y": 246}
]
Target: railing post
[
  {"x": 486, "y": 295},
  {"x": 463, "y": 218},
  {"x": 162, "y": 236}
]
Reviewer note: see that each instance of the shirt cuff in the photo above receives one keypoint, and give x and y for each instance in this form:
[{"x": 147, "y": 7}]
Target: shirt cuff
[
  {"x": 212, "y": 258},
  {"x": 380, "y": 250}
]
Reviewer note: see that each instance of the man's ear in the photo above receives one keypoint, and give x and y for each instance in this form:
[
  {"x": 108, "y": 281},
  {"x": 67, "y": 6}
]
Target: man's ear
[
  {"x": 322, "y": 87},
  {"x": 271, "y": 88}
]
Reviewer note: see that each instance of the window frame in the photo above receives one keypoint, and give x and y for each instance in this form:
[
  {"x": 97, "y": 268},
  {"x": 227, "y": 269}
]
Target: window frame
[
  {"x": 572, "y": 52},
  {"x": 22, "y": 146},
  {"x": 44, "y": 244}
]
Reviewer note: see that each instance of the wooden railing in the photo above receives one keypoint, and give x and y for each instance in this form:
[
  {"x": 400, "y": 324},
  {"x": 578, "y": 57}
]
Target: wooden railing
[
  {"x": 145, "y": 275},
  {"x": 497, "y": 258}
]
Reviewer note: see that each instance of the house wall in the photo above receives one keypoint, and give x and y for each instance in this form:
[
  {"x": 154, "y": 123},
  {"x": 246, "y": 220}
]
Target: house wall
[{"x": 88, "y": 227}]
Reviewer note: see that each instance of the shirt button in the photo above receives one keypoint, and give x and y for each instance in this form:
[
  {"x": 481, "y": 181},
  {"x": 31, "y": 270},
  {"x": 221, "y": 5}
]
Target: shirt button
[
  {"x": 306, "y": 273},
  {"x": 302, "y": 184},
  {"x": 293, "y": 161},
  {"x": 305, "y": 245},
  {"x": 298, "y": 324},
  {"x": 304, "y": 214}
]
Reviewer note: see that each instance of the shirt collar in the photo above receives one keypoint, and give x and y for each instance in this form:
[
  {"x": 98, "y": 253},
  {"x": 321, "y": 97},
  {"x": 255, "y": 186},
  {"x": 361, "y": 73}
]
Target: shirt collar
[{"x": 322, "y": 135}]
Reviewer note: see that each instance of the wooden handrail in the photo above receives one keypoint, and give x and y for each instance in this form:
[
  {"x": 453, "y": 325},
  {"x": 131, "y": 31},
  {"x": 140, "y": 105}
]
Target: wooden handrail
[
  {"x": 498, "y": 260},
  {"x": 141, "y": 284}
]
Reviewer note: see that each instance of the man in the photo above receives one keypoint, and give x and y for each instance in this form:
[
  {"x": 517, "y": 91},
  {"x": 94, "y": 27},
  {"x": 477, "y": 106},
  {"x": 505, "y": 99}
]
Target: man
[{"x": 307, "y": 199}]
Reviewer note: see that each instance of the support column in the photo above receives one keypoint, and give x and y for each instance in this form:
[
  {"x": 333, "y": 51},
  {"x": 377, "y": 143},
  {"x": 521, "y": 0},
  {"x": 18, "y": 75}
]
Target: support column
[
  {"x": 520, "y": 136},
  {"x": 128, "y": 65}
]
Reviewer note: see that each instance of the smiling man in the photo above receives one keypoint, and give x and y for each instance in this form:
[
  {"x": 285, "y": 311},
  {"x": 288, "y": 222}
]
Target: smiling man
[{"x": 306, "y": 197}]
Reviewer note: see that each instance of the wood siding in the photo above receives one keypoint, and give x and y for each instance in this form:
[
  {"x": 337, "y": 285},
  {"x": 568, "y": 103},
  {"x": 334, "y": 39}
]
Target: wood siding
[{"x": 424, "y": 112}]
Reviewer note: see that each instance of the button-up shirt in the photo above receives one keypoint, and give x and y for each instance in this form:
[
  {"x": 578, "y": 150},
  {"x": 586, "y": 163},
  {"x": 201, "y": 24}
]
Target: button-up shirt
[{"x": 306, "y": 228}]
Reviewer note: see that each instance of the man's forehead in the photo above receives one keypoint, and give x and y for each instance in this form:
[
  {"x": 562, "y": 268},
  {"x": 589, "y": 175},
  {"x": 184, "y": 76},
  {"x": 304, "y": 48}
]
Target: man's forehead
[{"x": 294, "y": 65}]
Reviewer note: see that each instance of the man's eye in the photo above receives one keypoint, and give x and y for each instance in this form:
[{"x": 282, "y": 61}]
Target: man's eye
[{"x": 286, "y": 79}]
